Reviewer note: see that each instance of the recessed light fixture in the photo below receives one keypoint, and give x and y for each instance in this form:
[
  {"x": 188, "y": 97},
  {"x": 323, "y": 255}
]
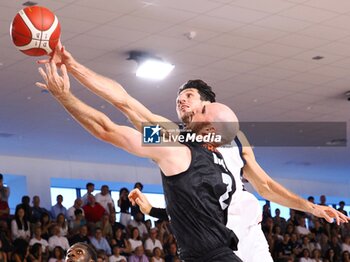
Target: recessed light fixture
[
  {"x": 150, "y": 66},
  {"x": 318, "y": 57}
]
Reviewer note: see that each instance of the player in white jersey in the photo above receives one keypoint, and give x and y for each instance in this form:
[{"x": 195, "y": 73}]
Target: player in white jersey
[{"x": 193, "y": 96}]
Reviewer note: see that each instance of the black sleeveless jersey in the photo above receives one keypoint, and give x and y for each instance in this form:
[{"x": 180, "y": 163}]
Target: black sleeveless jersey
[{"x": 197, "y": 201}]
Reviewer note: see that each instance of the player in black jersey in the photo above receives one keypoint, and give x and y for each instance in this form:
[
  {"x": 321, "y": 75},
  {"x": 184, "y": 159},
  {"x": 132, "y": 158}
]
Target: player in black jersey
[{"x": 197, "y": 185}]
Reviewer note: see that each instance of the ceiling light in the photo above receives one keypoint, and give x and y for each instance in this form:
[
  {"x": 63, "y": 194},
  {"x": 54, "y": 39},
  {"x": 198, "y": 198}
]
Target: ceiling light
[
  {"x": 318, "y": 57},
  {"x": 150, "y": 66}
]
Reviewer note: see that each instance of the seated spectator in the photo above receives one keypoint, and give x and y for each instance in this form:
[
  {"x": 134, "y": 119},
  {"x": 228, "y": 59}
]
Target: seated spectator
[
  {"x": 138, "y": 222},
  {"x": 46, "y": 224},
  {"x": 308, "y": 244},
  {"x": 58, "y": 208},
  {"x": 79, "y": 220},
  {"x": 25, "y": 204},
  {"x": 157, "y": 255},
  {"x": 105, "y": 226},
  {"x": 172, "y": 253},
  {"x": 81, "y": 236},
  {"x": 37, "y": 239},
  {"x": 57, "y": 255},
  {"x": 284, "y": 248},
  {"x": 62, "y": 224},
  {"x": 78, "y": 204},
  {"x": 120, "y": 241},
  {"x": 152, "y": 242},
  {"x": 330, "y": 256},
  {"x": 116, "y": 256},
  {"x": 37, "y": 211},
  {"x": 305, "y": 256},
  {"x": 21, "y": 250},
  {"x": 3, "y": 255},
  {"x": 58, "y": 240},
  {"x": 4, "y": 209},
  {"x": 124, "y": 204},
  {"x": 35, "y": 253},
  {"x": 335, "y": 245},
  {"x": 316, "y": 255},
  {"x": 277, "y": 235},
  {"x": 301, "y": 228},
  {"x": 115, "y": 225},
  {"x": 101, "y": 256},
  {"x": 5, "y": 232},
  {"x": 345, "y": 256},
  {"x": 100, "y": 242},
  {"x": 135, "y": 239},
  {"x": 20, "y": 227},
  {"x": 346, "y": 244},
  {"x": 93, "y": 210},
  {"x": 90, "y": 187},
  {"x": 104, "y": 199},
  {"x": 139, "y": 255}
]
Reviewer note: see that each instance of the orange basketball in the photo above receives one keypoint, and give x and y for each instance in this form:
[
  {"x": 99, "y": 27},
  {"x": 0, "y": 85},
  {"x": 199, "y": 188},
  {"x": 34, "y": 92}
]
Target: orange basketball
[{"x": 35, "y": 31}]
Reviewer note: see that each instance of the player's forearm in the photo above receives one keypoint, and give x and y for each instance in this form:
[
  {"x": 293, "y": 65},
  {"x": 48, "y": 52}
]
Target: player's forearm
[{"x": 92, "y": 120}]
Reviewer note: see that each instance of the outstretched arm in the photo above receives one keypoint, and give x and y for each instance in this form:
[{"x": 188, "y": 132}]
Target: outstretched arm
[
  {"x": 109, "y": 90},
  {"x": 99, "y": 125},
  {"x": 275, "y": 192}
]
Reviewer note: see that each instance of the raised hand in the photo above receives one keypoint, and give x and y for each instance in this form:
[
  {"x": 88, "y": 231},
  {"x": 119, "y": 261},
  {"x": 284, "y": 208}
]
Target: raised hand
[
  {"x": 136, "y": 197},
  {"x": 330, "y": 214}
]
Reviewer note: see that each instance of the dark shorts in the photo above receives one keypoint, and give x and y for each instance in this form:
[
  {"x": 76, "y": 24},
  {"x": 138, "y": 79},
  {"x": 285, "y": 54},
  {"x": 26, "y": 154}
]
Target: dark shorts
[{"x": 224, "y": 254}]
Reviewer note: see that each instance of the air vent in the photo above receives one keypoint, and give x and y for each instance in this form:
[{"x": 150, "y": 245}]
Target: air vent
[{"x": 29, "y": 3}]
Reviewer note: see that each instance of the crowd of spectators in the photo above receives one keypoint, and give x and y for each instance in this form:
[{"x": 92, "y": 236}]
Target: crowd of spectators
[{"x": 34, "y": 233}]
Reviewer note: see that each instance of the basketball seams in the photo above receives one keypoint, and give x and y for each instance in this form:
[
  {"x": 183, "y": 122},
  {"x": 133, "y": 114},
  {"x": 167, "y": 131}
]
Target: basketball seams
[{"x": 29, "y": 24}]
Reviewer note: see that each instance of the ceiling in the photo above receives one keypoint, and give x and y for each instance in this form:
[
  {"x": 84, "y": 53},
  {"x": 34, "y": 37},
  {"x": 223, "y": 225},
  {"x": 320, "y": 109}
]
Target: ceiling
[{"x": 256, "y": 54}]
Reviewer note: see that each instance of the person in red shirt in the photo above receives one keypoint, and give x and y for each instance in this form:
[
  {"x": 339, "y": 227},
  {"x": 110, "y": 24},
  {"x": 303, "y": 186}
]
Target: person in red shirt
[
  {"x": 4, "y": 209},
  {"x": 93, "y": 210}
]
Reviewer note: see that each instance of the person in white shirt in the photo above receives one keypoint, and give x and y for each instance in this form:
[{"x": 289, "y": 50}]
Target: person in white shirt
[
  {"x": 135, "y": 239},
  {"x": 38, "y": 239},
  {"x": 152, "y": 242},
  {"x": 20, "y": 227},
  {"x": 137, "y": 222},
  {"x": 116, "y": 257},
  {"x": 90, "y": 187},
  {"x": 57, "y": 240},
  {"x": 105, "y": 199},
  {"x": 78, "y": 203}
]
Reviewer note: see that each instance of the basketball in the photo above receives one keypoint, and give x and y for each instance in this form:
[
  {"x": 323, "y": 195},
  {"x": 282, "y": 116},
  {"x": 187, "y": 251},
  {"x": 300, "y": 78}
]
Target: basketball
[{"x": 35, "y": 31}]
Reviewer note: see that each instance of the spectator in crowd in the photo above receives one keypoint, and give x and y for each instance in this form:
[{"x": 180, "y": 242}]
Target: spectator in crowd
[
  {"x": 58, "y": 240},
  {"x": 61, "y": 222},
  {"x": 120, "y": 241},
  {"x": 4, "y": 209},
  {"x": 58, "y": 208},
  {"x": 104, "y": 199},
  {"x": 37, "y": 239},
  {"x": 90, "y": 187},
  {"x": 5, "y": 239},
  {"x": 20, "y": 227},
  {"x": 316, "y": 255},
  {"x": 105, "y": 226},
  {"x": 78, "y": 203},
  {"x": 36, "y": 253},
  {"x": 100, "y": 242},
  {"x": 81, "y": 252},
  {"x": 93, "y": 210},
  {"x": 139, "y": 255},
  {"x": 138, "y": 222},
  {"x": 341, "y": 208},
  {"x": 135, "y": 239},
  {"x": 345, "y": 256},
  {"x": 330, "y": 256},
  {"x": 37, "y": 211},
  {"x": 152, "y": 242},
  {"x": 79, "y": 220},
  {"x": 124, "y": 205},
  {"x": 346, "y": 244},
  {"x": 136, "y": 209},
  {"x": 336, "y": 246},
  {"x": 116, "y": 256},
  {"x": 323, "y": 200},
  {"x": 115, "y": 224},
  {"x": 305, "y": 257},
  {"x": 57, "y": 254},
  {"x": 301, "y": 228},
  {"x": 21, "y": 250},
  {"x": 81, "y": 236},
  {"x": 4, "y": 190},
  {"x": 284, "y": 248},
  {"x": 25, "y": 204},
  {"x": 172, "y": 253},
  {"x": 45, "y": 223},
  {"x": 278, "y": 220},
  {"x": 157, "y": 255}
]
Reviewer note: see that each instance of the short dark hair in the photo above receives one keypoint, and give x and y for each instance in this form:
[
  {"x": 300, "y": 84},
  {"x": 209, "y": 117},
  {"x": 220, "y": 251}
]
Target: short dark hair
[
  {"x": 1, "y": 177},
  {"x": 205, "y": 91},
  {"x": 89, "y": 184},
  {"x": 90, "y": 249},
  {"x": 138, "y": 184},
  {"x": 342, "y": 203}
]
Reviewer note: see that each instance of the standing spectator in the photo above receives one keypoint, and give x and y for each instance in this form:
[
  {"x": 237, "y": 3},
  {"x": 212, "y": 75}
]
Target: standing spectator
[
  {"x": 135, "y": 239},
  {"x": 4, "y": 191},
  {"x": 90, "y": 187},
  {"x": 25, "y": 204},
  {"x": 78, "y": 203},
  {"x": 57, "y": 240},
  {"x": 116, "y": 256},
  {"x": 157, "y": 255},
  {"x": 20, "y": 226},
  {"x": 323, "y": 200},
  {"x": 137, "y": 222},
  {"x": 58, "y": 208},
  {"x": 57, "y": 255},
  {"x": 93, "y": 210},
  {"x": 104, "y": 199},
  {"x": 4, "y": 209},
  {"x": 152, "y": 242},
  {"x": 124, "y": 205},
  {"x": 139, "y": 255},
  {"x": 37, "y": 211},
  {"x": 279, "y": 221},
  {"x": 100, "y": 242},
  {"x": 136, "y": 209},
  {"x": 341, "y": 208}
]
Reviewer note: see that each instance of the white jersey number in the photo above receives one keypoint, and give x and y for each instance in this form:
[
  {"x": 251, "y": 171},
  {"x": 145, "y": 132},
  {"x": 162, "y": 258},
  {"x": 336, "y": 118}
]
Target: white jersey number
[{"x": 228, "y": 181}]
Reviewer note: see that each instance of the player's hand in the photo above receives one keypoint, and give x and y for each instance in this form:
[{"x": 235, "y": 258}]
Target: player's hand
[
  {"x": 57, "y": 85},
  {"x": 136, "y": 197},
  {"x": 59, "y": 56},
  {"x": 330, "y": 214}
]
